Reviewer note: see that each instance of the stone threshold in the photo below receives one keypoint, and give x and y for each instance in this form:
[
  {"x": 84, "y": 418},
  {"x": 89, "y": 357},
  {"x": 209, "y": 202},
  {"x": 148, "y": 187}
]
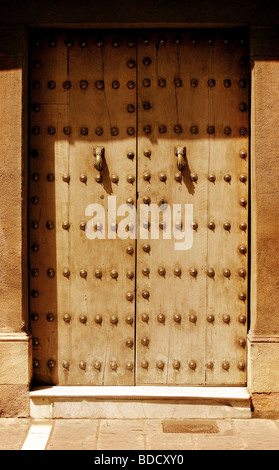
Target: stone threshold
[{"x": 140, "y": 402}]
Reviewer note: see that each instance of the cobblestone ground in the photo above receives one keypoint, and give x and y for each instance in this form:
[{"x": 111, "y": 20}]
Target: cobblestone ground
[{"x": 145, "y": 435}]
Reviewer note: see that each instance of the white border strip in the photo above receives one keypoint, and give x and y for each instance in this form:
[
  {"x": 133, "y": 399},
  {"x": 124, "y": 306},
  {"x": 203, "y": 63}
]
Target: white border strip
[{"x": 38, "y": 436}]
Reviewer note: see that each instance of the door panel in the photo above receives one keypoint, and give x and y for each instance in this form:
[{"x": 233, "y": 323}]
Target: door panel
[{"x": 112, "y": 302}]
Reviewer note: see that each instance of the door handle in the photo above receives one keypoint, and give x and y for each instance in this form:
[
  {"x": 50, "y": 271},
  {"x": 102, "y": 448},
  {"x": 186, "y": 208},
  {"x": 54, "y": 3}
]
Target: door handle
[
  {"x": 99, "y": 154},
  {"x": 180, "y": 153}
]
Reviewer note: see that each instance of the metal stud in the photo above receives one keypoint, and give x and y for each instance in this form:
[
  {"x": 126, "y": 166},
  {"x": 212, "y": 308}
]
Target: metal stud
[
  {"x": 82, "y": 365},
  {"x": 114, "y": 274},
  {"x": 145, "y": 294},
  {"x": 67, "y": 318},
  {"x": 130, "y": 296},
  {"x": 145, "y": 272},
  {"x": 83, "y": 319},
  {"x": 242, "y": 178},
  {"x": 116, "y": 42},
  {"x": 115, "y": 84},
  {"x": 162, "y": 82},
  {"x": 146, "y": 176},
  {"x": 50, "y": 225},
  {"x": 98, "y": 319},
  {"x": 146, "y": 200},
  {"x": 227, "y": 83},
  {"x": 130, "y": 202},
  {"x": 34, "y": 317},
  {"x": 176, "y": 365},
  {"x": 35, "y": 225},
  {"x": 35, "y": 130},
  {"x": 194, "y": 177},
  {"x": 146, "y": 82},
  {"x": 192, "y": 364},
  {"x": 129, "y": 365},
  {"x": 177, "y": 271},
  {"x": 131, "y": 84},
  {"x": 129, "y": 320},
  {"x": 36, "y": 107},
  {"x": 242, "y": 131},
  {"x": 242, "y": 296},
  {"x": 51, "y": 364},
  {"x": 242, "y": 249},
  {"x": 177, "y": 82},
  {"x": 131, "y": 108},
  {"x": 114, "y": 178},
  {"x": 131, "y": 64},
  {"x": 144, "y": 364},
  {"x": 225, "y": 365},
  {"x": 129, "y": 343},
  {"x": 98, "y": 177},
  {"x": 97, "y": 365},
  {"x": 241, "y": 342},
  {"x": 161, "y": 271},
  {"x": 226, "y": 272},
  {"x": 147, "y": 129},
  {"x": 193, "y": 318},
  {"x": 195, "y": 226},
  {"x": 130, "y": 155},
  {"x": 210, "y": 129},
  {"x": 227, "y": 130},
  {"x": 35, "y": 363},
  {"x": 194, "y": 82},
  {"x": 209, "y": 365},
  {"x": 210, "y": 272},
  {"x": 194, "y": 129},
  {"x": 193, "y": 272},
  {"x": 66, "y": 365},
  {"x": 84, "y": 131},
  {"x": 130, "y": 274},
  {"x": 98, "y": 274},
  {"x": 242, "y": 202},
  {"x": 35, "y": 293},
  {"x": 162, "y": 129},
  {"x": 66, "y": 178},
  {"x": 146, "y": 61},
  {"x": 177, "y": 317},
  {"x": 50, "y": 317},
  {"x": 50, "y": 177},
  {"x": 67, "y": 85},
  {"x": 242, "y": 83},
  {"x": 162, "y": 176},
  {"x": 210, "y": 318},
  {"x": 242, "y": 272},
  {"x": 211, "y": 82},
  {"x": 36, "y": 85},
  {"x": 66, "y": 272},
  {"x": 227, "y": 226},
  {"x": 145, "y": 317},
  {"x": 242, "y": 226},
  {"x": 226, "y": 318},
  {"x": 34, "y": 272},
  {"x": 241, "y": 365},
  {"x": 242, "y": 319},
  {"x": 146, "y": 105},
  {"x": 50, "y": 272},
  {"x": 99, "y": 131},
  {"x": 34, "y": 153},
  {"x": 160, "y": 365},
  {"x": 178, "y": 177},
  {"x": 114, "y": 320},
  {"x": 129, "y": 250},
  {"x": 35, "y": 247},
  {"x": 144, "y": 341},
  {"x": 83, "y": 274},
  {"x": 37, "y": 64},
  {"x": 161, "y": 318},
  {"x": 211, "y": 225},
  {"x": 113, "y": 366},
  {"x": 114, "y": 131},
  {"x": 131, "y": 130}
]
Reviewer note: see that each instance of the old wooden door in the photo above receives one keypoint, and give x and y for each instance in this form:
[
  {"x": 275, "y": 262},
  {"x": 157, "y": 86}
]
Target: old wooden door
[{"x": 122, "y": 293}]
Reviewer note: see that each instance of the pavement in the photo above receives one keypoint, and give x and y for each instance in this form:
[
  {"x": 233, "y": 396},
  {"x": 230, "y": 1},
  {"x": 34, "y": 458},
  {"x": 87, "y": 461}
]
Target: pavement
[{"x": 138, "y": 435}]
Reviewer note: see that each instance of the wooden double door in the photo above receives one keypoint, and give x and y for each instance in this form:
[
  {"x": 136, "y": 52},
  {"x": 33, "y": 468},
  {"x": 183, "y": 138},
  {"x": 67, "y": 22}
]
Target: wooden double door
[{"x": 122, "y": 123}]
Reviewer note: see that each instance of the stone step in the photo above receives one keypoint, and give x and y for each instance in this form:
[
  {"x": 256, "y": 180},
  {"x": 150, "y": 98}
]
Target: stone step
[{"x": 141, "y": 402}]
